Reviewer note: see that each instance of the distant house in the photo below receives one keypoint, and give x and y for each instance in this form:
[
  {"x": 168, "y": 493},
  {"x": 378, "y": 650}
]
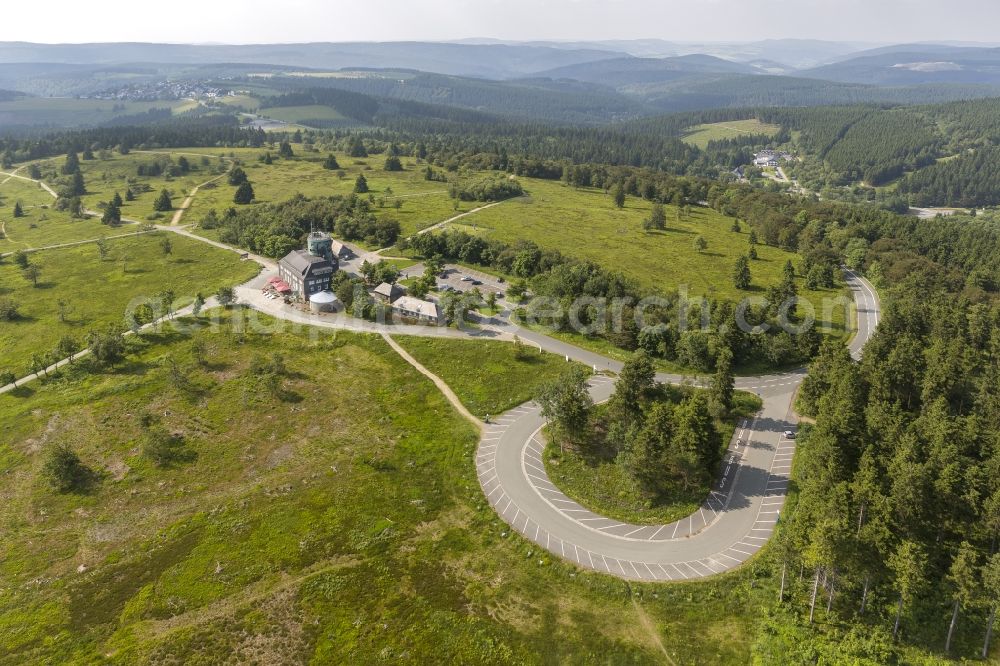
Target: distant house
[
  {"x": 388, "y": 293},
  {"x": 414, "y": 308},
  {"x": 306, "y": 273}
]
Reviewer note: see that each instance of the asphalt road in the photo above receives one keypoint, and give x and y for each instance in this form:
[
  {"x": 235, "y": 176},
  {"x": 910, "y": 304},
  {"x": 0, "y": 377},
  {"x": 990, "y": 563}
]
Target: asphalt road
[{"x": 734, "y": 522}]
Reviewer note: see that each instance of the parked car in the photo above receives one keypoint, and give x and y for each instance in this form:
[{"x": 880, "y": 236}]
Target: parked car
[
  {"x": 476, "y": 283},
  {"x": 789, "y": 434},
  {"x": 466, "y": 278}
]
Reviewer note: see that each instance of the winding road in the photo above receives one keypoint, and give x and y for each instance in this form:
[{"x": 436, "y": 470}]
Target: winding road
[{"x": 736, "y": 519}]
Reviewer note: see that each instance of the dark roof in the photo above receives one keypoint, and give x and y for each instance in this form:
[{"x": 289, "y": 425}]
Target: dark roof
[{"x": 304, "y": 264}]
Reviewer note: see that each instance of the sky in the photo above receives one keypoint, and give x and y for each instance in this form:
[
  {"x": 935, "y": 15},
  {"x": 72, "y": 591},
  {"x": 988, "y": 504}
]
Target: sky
[{"x": 285, "y": 21}]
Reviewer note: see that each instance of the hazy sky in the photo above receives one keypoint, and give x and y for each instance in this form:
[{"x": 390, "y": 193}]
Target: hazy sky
[{"x": 255, "y": 21}]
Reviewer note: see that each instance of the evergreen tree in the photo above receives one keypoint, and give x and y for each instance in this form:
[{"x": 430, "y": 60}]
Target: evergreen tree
[
  {"x": 117, "y": 200},
  {"x": 77, "y": 187},
  {"x": 285, "y": 150},
  {"x": 237, "y": 176},
  {"x": 741, "y": 273},
  {"x": 71, "y": 165},
  {"x": 357, "y": 148},
  {"x": 112, "y": 215},
  {"x": 18, "y": 209},
  {"x": 331, "y": 163},
  {"x": 361, "y": 184},
  {"x": 163, "y": 202},
  {"x": 244, "y": 193}
]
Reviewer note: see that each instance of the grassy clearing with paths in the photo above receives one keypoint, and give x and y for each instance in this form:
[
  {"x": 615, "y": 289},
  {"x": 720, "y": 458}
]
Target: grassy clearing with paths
[
  {"x": 585, "y": 223},
  {"x": 487, "y": 376},
  {"x": 42, "y": 225},
  {"x": 96, "y": 292},
  {"x": 424, "y": 203},
  {"x": 335, "y": 520},
  {"x": 600, "y": 484},
  {"x": 700, "y": 135}
]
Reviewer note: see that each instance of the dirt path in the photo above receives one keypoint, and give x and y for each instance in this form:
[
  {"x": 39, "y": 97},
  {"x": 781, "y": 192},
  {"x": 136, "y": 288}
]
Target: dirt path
[
  {"x": 650, "y": 628},
  {"x": 461, "y": 215},
  {"x": 179, "y": 213},
  {"x": 11, "y": 174},
  {"x": 444, "y": 388},
  {"x": 76, "y": 243}
]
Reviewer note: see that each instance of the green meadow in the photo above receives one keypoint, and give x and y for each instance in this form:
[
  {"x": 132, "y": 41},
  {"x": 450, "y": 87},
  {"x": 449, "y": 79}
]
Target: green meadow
[
  {"x": 701, "y": 135},
  {"x": 333, "y": 519},
  {"x": 95, "y": 292},
  {"x": 463, "y": 364},
  {"x": 586, "y": 224}
]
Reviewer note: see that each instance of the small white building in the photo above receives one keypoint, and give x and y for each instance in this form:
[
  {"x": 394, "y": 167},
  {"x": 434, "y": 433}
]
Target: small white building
[{"x": 414, "y": 308}]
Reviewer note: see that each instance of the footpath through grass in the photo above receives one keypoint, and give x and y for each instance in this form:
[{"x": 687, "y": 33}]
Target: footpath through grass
[
  {"x": 77, "y": 291},
  {"x": 333, "y": 518},
  {"x": 600, "y": 484},
  {"x": 488, "y": 377}
]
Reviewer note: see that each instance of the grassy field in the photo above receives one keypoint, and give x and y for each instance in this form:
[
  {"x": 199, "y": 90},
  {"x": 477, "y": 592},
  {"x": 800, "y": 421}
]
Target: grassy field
[
  {"x": 304, "y": 115},
  {"x": 700, "y": 135},
  {"x": 72, "y": 112},
  {"x": 585, "y": 223},
  {"x": 424, "y": 202},
  {"x": 105, "y": 177},
  {"x": 42, "y": 225},
  {"x": 598, "y": 483},
  {"x": 337, "y": 521},
  {"x": 472, "y": 368},
  {"x": 97, "y": 292}
]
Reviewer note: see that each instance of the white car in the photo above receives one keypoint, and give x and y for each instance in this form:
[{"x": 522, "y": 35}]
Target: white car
[
  {"x": 789, "y": 434},
  {"x": 466, "y": 278}
]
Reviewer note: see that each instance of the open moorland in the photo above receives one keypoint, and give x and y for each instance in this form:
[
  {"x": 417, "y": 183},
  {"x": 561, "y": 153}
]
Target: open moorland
[
  {"x": 331, "y": 514},
  {"x": 41, "y": 225},
  {"x": 422, "y": 203},
  {"x": 77, "y": 291}
]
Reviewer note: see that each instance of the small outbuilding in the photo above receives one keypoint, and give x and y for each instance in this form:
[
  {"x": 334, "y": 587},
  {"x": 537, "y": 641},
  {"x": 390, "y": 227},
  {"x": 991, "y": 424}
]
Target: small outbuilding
[
  {"x": 388, "y": 293},
  {"x": 323, "y": 301}
]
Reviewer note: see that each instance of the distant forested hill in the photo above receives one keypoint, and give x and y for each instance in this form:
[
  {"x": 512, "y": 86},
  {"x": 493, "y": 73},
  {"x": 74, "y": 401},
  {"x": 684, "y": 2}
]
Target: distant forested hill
[
  {"x": 928, "y": 146},
  {"x": 535, "y": 100}
]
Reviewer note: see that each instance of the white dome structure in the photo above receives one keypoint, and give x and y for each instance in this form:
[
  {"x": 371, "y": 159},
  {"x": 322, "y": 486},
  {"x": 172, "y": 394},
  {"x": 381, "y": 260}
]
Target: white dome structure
[{"x": 323, "y": 301}]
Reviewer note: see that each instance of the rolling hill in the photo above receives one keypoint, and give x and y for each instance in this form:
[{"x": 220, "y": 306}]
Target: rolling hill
[{"x": 917, "y": 64}]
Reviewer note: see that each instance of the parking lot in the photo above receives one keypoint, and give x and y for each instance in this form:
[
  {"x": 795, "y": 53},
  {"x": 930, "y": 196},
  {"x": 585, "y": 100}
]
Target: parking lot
[{"x": 462, "y": 279}]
